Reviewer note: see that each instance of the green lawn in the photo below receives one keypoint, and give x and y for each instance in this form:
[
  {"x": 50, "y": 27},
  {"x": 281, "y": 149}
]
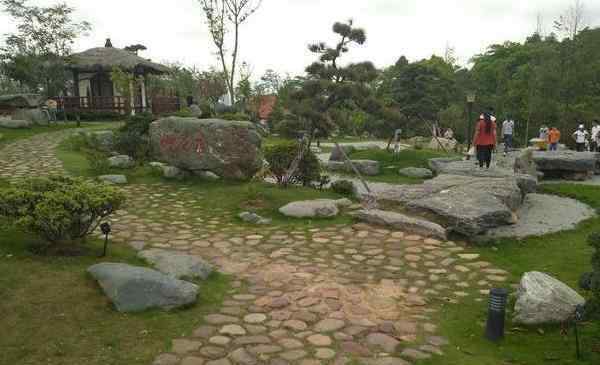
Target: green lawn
[
  {"x": 54, "y": 313},
  {"x": 391, "y": 163},
  {"x": 11, "y": 135},
  {"x": 259, "y": 197},
  {"x": 564, "y": 255}
]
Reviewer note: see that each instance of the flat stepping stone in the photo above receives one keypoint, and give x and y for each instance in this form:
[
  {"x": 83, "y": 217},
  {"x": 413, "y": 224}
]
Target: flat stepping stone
[
  {"x": 413, "y": 354},
  {"x": 220, "y": 319},
  {"x": 402, "y": 222},
  {"x": 329, "y": 325}
]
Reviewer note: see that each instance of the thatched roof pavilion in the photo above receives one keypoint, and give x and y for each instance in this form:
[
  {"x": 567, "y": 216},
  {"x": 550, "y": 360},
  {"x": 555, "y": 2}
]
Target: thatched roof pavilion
[
  {"x": 92, "y": 78},
  {"x": 107, "y": 58}
]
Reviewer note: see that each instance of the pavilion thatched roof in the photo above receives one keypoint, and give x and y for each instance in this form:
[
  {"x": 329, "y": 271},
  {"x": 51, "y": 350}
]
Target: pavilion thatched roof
[{"x": 107, "y": 58}]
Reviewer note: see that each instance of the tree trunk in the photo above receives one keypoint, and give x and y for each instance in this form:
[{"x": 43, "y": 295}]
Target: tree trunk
[{"x": 234, "y": 61}]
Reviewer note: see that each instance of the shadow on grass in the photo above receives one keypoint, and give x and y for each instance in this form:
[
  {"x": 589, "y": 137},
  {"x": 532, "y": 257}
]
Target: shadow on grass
[{"x": 56, "y": 314}]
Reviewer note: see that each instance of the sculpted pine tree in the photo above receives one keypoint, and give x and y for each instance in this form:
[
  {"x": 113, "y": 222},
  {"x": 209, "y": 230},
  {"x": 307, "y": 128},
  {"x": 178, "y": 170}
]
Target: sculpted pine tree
[{"x": 330, "y": 87}]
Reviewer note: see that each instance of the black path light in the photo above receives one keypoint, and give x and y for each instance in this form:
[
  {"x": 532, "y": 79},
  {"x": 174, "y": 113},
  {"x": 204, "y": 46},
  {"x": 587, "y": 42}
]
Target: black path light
[
  {"x": 105, "y": 228},
  {"x": 496, "y": 314},
  {"x": 578, "y": 316}
]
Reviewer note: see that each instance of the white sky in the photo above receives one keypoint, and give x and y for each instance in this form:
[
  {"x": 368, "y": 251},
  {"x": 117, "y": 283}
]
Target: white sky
[{"x": 277, "y": 35}]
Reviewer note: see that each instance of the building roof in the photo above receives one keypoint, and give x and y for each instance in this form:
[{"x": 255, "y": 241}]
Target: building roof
[{"x": 107, "y": 58}]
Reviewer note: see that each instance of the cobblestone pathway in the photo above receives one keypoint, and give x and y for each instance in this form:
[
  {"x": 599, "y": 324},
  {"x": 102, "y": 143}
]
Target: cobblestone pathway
[{"x": 313, "y": 296}]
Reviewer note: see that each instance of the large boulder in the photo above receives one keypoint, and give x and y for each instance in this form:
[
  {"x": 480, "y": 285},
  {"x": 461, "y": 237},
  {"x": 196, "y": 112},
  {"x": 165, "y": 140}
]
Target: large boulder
[
  {"x": 320, "y": 208},
  {"x": 114, "y": 179},
  {"x": 435, "y": 164},
  {"x": 365, "y": 167},
  {"x": 229, "y": 149},
  {"x": 15, "y": 124},
  {"x": 177, "y": 265},
  {"x": 464, "y": 204},
  {"x": 416, "y": 172},
  {"x": 542, "y": 299},
  {"x": 442, "y": 144},
  {"x": 568, "y": 165},
  {"x": 33, "y": 115},
  {"x": 135, "y": 289},
  {"x": 402, "y": 222},
  {"x": 338, "y": 156},
  {"x": 527, "y": 183}
]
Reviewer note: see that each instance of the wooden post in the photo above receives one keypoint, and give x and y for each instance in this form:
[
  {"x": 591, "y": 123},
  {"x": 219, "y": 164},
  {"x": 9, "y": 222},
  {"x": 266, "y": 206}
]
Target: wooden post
[
  {"x": 76, "y": 83},
  {"x": 143, "y": 87},
  {"x": 131, "y": 98}
]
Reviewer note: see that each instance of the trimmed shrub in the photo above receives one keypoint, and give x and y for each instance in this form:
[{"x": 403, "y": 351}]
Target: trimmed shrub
[
  {"x": 59, "y": 209},
  {"x": 280, "y": 158},
  {"x": 343, "y": 187},
  {"x": 235, "y": 117},
  {"x": 290, "y": 128},
  {"x": 139, "y": 124}
]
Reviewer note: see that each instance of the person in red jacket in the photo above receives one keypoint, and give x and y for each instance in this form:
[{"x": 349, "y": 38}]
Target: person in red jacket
[{"x": 485, "y": 140}]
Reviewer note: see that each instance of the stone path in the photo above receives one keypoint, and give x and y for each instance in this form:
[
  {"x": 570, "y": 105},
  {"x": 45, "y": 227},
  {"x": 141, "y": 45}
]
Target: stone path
[{"x": 305, "y": 296}]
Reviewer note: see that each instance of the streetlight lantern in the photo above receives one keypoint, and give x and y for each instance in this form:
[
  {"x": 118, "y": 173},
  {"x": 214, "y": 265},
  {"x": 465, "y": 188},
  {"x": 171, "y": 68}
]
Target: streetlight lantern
[
  {"x": 470, "y": 101},
  {"x": 471, "y": 97}
]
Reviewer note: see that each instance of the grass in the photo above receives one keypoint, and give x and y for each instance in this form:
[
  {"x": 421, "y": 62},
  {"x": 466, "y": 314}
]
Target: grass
[
  {"x": 11, "y": 135},
  {"x": 259, "y": 197},
  {"x": 565, "y": 256},
  {"x": 54, "y": 313},
  {"x": 391, "y": 163}
]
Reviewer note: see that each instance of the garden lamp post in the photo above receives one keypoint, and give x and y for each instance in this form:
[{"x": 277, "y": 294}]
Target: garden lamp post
[
  {"x": 105, "y": 228},
  {"x": 470, "y": 102}
]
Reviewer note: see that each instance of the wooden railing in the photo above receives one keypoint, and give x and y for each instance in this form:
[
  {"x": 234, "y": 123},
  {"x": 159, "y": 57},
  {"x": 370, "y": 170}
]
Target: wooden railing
[
  {"x": 115, "y": 104},
  {"x": 165, "y": 105}
]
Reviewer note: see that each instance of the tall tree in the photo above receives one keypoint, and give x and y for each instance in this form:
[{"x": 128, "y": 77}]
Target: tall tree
[
  {"x": 331, "y": 88},
  {"x": 34, "y": 54},
  {"x": 224, "y": 16}
]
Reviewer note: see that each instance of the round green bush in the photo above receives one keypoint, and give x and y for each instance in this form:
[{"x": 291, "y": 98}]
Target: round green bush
[
  {"x": 343, "y": 187},
  {"x": 280, "y": 158},
  {"x": 59, "y": 209}
]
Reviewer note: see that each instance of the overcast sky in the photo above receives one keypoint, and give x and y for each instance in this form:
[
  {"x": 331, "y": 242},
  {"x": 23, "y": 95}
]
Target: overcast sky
[{"x": 277, "y": 35}]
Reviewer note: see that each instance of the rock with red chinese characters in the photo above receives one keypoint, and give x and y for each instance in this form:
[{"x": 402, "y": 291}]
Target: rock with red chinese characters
[{"x": 229, "y": 149}]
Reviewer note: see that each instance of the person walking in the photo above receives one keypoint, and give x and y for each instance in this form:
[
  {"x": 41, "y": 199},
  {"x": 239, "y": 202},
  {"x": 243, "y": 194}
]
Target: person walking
[
  {"x": 553, "y": 138},
  {"x": 596, "y": 136},
  {"x": 508, "y": 128},
  {"x": 580, "y": 136},
  {"x": 485, "y": 140}
]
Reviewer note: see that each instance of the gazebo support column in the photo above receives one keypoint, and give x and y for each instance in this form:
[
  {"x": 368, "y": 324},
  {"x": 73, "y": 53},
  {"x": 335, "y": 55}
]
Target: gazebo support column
[
  {"x": 131, "y": 98},
  {"x": 143, "y": 88},
  {"x": 75, "y": 82}
]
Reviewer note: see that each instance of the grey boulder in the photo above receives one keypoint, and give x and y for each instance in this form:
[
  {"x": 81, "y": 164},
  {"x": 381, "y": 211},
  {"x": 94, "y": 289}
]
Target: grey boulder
[
  {"x": 365, "y": 167},
  {"x": 463, "y": 204},
  {"x": 172, "y": 172},
  {"x": 207, "y": 175},
  {"x": 135, "y": 289},
  {"x": 114, "y": 179},
  {"x": 338, "y": 156},
  {"x": 416, "y": 172},
  {"x": 569, "y": 165},
  {"x": 542, "y": 299},
  {"x": 15, "y": 124},
  {"x": 231, "y": 150},
  {"x": 177, "y": 265},
  {"x": 254, "y": 218},
  {"x": 121, "y": 162},
  {"x": 320, "y": 208},
  {"x": 402, "y": 222}
]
